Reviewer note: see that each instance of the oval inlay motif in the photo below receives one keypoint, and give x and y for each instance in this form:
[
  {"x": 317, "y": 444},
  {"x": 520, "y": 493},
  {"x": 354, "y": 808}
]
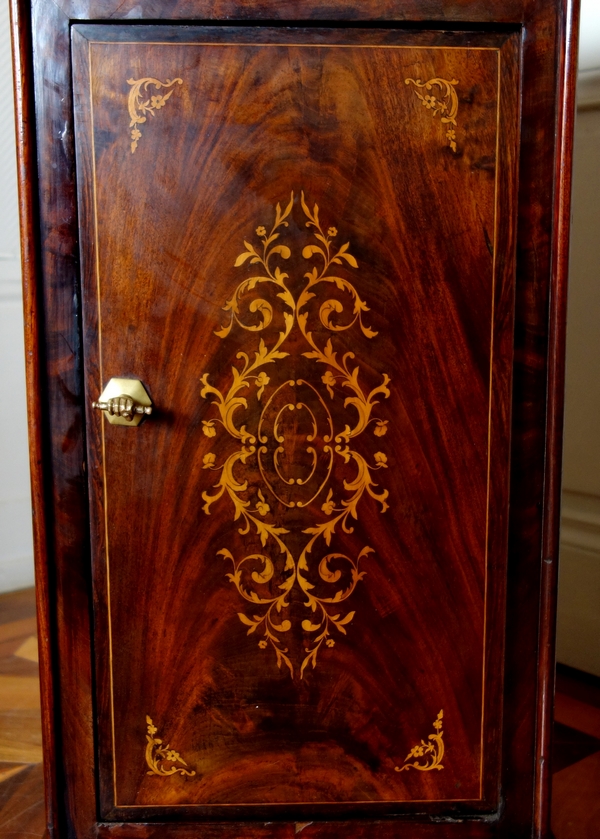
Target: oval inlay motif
[
  {"x": 295, "y": 455},
  {"x": 295, "y": 444}
]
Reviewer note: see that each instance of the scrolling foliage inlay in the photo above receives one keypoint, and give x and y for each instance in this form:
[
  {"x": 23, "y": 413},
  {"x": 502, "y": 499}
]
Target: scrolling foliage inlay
[
  {"x": 299, "y": 401},
  {"x": 159, "y": 756},
  {"x": 446, "y": 104},
  {"x": 139, "y": 105},
  {"x": 427, "y": 756}
]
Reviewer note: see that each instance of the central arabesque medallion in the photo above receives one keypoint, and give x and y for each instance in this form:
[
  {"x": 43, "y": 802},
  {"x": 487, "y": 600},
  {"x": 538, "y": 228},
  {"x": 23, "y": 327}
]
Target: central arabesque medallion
[{"x": 303, "y": 432}]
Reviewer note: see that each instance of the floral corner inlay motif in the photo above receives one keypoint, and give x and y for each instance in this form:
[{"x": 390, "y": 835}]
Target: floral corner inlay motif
[
  {"x": 446, "y": 104},
  {"x": 158, "y": 756},
  {"x": 269, "y": 585},
  {"x": 427, "y": 756},
  {"x": 141, "y": 104}
]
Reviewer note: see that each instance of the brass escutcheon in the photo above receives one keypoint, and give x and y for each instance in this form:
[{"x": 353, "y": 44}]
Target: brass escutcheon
[{"x": 124, "y": 402}]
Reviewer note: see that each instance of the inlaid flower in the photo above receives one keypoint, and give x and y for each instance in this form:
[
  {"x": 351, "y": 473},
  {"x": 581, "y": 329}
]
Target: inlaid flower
[
  {"x": 208, "y": 426},
  {"x": 332, "y": 231},
  {"x": 262, "y": 645},
  {"x": 261, "y": 505},
  {"x": 381, "y": 427},
  {"x": 330, "y": 642},
  {"x": 329, "y": 506},
  {"x": 381, "y": 459},
  {"x": 260, "y": 231},
  {"x": 261, "y": 381},
  {"x": 208, "y": 461},
  {"x": 173, "y": 756},
  {"x": 329, "y": 380},
  {"x": 157, "y": 102}
]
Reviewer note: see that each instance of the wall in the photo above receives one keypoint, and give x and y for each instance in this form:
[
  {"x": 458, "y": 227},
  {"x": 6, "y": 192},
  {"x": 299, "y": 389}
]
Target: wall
[
  {"x": 16, "y": 552},
  {"x": 578, "y": 641}
]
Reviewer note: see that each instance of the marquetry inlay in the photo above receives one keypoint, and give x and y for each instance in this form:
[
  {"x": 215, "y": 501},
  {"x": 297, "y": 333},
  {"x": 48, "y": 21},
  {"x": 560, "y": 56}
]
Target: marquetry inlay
[
  {"x": 334, "y": 407},
  {"x": 162, "y": 759},
  {"x": 427, "y": 756},
  {"x": 446, "y": 104},
  {"x": 141, "y": 104}
]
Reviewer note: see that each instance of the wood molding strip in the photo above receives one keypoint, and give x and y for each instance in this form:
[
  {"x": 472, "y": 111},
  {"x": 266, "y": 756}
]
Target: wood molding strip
[
  {"x": 32, "y": 311},
  {"x": 566, "y": 97}
]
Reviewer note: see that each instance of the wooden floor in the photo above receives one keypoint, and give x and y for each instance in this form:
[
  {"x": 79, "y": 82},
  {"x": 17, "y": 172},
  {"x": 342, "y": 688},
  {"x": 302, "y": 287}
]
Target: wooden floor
[
  {"x": 21, "y": 784},
  {"x": 576, "y": 756},
  {"x": 576, "y": 760}
]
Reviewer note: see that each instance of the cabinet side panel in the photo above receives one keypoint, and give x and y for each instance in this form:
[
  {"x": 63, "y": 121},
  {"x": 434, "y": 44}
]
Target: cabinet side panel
[
  {"x": 556, "y": 385},
  {"x": 32, "y": 311},
  {"x": 67, "y": 561}
]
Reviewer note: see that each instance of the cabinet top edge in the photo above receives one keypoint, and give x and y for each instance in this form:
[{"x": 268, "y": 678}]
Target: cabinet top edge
[{"x": 430, "y": 13}]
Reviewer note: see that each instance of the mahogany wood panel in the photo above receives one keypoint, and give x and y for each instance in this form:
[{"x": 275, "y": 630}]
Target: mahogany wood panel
[
  {"x": 543, "y": 202},
  {"x": 38, "y": 444},
  {"x": 246, "y": 126}
]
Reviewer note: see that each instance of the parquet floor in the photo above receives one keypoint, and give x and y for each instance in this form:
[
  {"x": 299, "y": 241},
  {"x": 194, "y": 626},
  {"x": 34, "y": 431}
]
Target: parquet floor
[
  {"x": 576, "y": 761},
  {"x": 576, "y": 756},
  {"x": 21, "y": 784}
]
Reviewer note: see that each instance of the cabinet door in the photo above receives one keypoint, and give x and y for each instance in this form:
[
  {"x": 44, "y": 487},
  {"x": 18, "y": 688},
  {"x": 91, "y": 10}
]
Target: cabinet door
[{"x": 301, "y": 242}]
